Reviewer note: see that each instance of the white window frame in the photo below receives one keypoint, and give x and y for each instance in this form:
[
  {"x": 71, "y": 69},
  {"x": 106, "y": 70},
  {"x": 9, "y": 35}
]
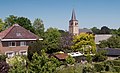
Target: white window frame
[
  {"x": 9, "y": 55},
  {"x": 22, "y": 43},
  {"x": 21, "y": 52},
  {"x": 11, "y": 45}
]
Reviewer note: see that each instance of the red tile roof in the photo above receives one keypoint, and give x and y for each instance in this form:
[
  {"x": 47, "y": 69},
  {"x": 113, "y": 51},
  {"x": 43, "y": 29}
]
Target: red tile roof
[
  {"x": 17, "y": 32},
  {"x": 61, "y": 56}
]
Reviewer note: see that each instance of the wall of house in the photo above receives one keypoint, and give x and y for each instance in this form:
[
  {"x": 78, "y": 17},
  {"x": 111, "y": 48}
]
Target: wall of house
[{"x": 4, "y": 47}]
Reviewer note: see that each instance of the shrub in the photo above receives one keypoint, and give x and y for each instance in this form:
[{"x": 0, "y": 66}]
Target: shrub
[
  {"x": 88, "y": 69},
  {"x": 116, "y": 62},
  {"x": 99, "y": 67},
  {"x": 89, "y": 58},
  {"x": 3, "y": 57},
  {"x": 117, "y": 68}
]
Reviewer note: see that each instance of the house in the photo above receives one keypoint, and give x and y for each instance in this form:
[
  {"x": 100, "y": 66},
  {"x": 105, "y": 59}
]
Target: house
[
  {"x": 112, "y": 53},
  {"x": 101, "y": 37},
  {"x": 15, "y": 40}
]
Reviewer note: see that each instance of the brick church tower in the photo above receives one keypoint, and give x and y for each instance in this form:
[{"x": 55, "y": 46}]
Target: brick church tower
[{"x": 73, "y": 24}]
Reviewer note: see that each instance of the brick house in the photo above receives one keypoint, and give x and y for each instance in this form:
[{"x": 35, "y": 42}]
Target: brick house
[{"x": 15, "y": 40}]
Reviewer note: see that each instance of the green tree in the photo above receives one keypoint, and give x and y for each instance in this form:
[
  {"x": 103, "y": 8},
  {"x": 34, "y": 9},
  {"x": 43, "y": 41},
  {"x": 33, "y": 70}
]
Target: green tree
[
  {"x": 22, "y": 21},
  {"x": 70, "y": 60},
  {"x": 52, "y": 40},
  {"x": 95, "y": 30},
  {"x": 105, "y": 30},
  {"x": 1, "y": 25},
  {"x": 84, "y": 42},
  {"x": 39, "y": 27},
  {"x": 100, "y": 56},
  {"x": 35, "y": 47},
  {"x": 43, "y": 64},
  {"x": 9, "y": 21},
  {"x": 26, "y": 23}
]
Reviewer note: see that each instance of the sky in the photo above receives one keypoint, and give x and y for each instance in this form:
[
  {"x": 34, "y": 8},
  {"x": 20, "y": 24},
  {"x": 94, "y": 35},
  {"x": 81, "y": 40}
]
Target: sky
[{"x": 57, "y": 13}]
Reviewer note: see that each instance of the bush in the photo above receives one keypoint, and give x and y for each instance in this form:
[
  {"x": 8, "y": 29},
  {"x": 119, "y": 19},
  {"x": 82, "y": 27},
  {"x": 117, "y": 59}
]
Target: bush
[
  {"x": 116, "y": 62},
  {"x": 100, "y": 56},
  {"x": 88, "y": 69},
  {"x": 89, "y": 58},
  {"x": 117, "y": 68},
  {"x": 3, "y": 57},
  {"x": 4, "y": 67},
  {"x": 99, "y": 67}
]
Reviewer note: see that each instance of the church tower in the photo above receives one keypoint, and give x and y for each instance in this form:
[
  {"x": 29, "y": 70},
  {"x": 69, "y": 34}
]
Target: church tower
[{"x": 73, "y": 24}]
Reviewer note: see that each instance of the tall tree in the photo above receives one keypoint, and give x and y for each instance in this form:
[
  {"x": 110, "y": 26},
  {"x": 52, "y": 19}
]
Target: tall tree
[
  {"x": 95, "y": 30},
  {"x": 66, "y": 41},
  {"x": 52, "y": 38},
  {"x": 105, "y": 30},
  {"x": 9, "y": 21},
  {"x": 84, "y": 42},
  {"x": 39, "y": 27},
  {"x": 26, "y": 23},
  {"x": 1, "y": 25},
  {"x": 22, "y": 21}
]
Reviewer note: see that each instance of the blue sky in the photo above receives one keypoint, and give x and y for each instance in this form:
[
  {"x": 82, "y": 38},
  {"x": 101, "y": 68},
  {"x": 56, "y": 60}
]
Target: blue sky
[{"x": 57, "y": 13}]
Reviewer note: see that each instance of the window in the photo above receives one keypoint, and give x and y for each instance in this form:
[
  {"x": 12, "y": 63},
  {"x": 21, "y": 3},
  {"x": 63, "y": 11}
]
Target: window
[
  {"x": 22, "y": 43},
  {"x": 12, "y": 44},
  {"x": 22, "y": 52},
  {"x": 9, "y": 54}
]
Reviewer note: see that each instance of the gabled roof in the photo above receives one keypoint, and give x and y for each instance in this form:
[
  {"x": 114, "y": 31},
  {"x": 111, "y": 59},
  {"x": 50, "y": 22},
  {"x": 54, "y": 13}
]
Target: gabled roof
[
  {"x": 101, "y": 37},
  {"x": 85, "y": 30},
  {"x": 17, "y": 32},
  {"x": 113, "y": 52},
  {"x": 61, "y": 56}
]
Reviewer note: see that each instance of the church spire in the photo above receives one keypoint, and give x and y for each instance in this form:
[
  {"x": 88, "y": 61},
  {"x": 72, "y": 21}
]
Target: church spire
[{"x": 73, "y": 15}]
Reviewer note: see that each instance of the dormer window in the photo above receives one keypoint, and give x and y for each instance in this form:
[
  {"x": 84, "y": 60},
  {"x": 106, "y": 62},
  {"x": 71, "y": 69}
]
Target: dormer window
[{"x": 18, "y": 34}]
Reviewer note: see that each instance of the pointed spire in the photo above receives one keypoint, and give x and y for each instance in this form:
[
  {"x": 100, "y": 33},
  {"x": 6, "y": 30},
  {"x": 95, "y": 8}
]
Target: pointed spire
[{"x": 73, "y": 15}]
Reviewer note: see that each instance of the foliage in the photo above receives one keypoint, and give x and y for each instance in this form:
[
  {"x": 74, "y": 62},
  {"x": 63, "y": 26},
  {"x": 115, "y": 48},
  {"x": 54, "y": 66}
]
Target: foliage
[
  {"x": 66, "y": 41},
  {"x": 89, "y": 58},
  {"x": 35, "y": 47},
  {"x": 25, "y": 22},
  {"x": 52, "y": 40},
  {"x": 39, "y": 27},
  {"x": 105, "y": 30},
  {"x": 22, "y": 21},
  {"x": 99, "y": 67},
  {"x": 100, "y": 56},
  {"x": 43, "y": 64},
  {"x": 112, "y": 42},
  {"x": 88, "y": 69},
  {"x": 95, "y": 30},
  {"x": 9, "y": 21},
  {"x": 1, "y": 25},
  {"x": 84, "y": 42},
  {"x": 3, "y": 57},
  {"x": 70, "y": 60},
  {"x": 18, "y": 64},
  {"x": 4, "y": 67},
  {"x": 70, "y": 69}
]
